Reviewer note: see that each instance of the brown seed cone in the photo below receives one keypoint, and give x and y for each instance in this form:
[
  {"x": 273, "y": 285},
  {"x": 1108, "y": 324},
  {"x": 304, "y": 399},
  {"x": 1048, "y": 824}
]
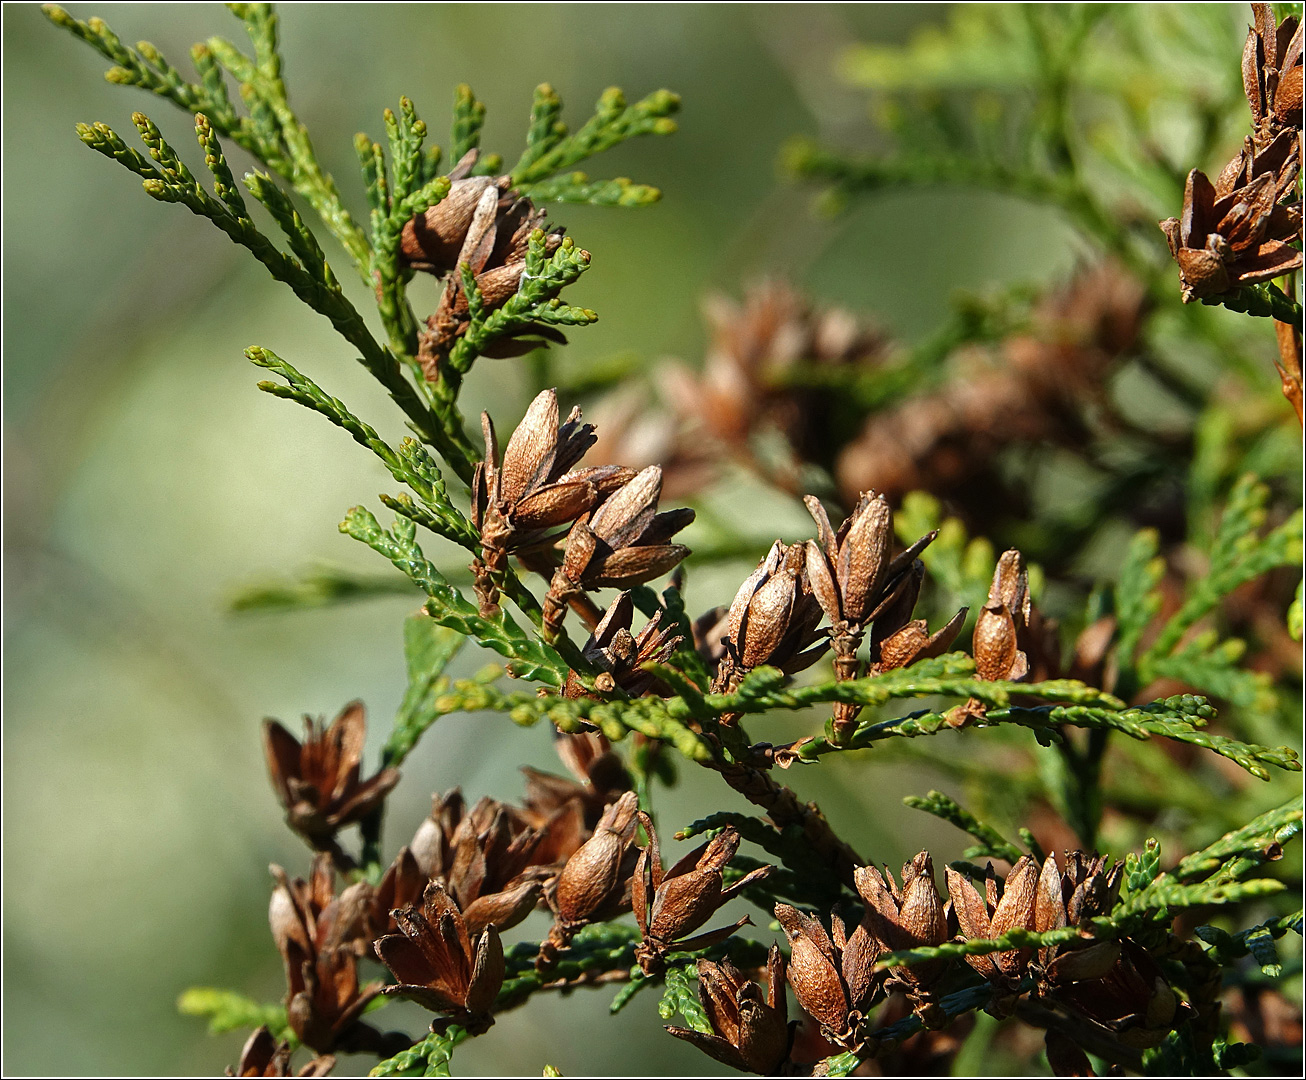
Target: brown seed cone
[
  {"x": 1235, "y": 232},
  {"x": 313, "y": 929},
  {"x": 671, "y": 904},
  {"x": 1272, "y": 73},
  {"x": 490, "y": 860},
  {"x": 520, "y": 502},
  {"x": 594, "y": 884},
  {"x": 482, "y": 226},
  {"x": 906, "y": 917},
  {"x": 437, "y": 963},
  {"x": 1133, "y": 1000},
  {"x": 772, "y": 620},
  {"x": 861, "y": 585},
  {"x": 833, "y": 975},
  {"x": 749, "y": 1032},
  {"x": 623, "y": 543},
  {"x": 317, "y": 781},
  {"x": 1003, "y": 907},
  {"x": 622, "y": 656}
]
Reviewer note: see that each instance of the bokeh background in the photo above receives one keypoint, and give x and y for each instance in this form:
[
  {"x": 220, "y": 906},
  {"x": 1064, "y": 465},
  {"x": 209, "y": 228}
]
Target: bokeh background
[{"x": 146, "y": 479}]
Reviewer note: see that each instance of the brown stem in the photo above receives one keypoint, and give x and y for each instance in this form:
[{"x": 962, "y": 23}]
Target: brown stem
[
  {"x": 844, "y": 720},
  {"x": 586, "y": 610},
  {"x": 344, "y": 862},
  {"x": 1289, "y": 364}
]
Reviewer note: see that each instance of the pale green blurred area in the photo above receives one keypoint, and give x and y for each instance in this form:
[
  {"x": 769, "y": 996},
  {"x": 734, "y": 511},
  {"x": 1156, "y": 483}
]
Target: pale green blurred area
[{"x": 146, "y": 477}]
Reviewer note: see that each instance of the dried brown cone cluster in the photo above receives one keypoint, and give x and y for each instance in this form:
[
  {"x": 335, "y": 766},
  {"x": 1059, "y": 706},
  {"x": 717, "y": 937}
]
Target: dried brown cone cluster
[
  {"x": 1012, "y": 640},
  {"x": 434, "y": 917},
  {"x": 762, "y": 376},
  {"x": 670, "y": 904},
  {"x": 527, "y": 501},
  {"x": 440, "y": 963},
  {"x": 317, "y": 780},
  {"x": 907, "y": 916},
  {"x": 1104, "y": 995},
  {"x": 499, "y": 862},
  {"x": 1240, "y": 229},
  {"x": 833, "y": 974},
  {"x": 483, "y": 226},
  {"x": 594, "y": 884},
  {"x": 620, "y": 656},
  {"x": 313, "y": 930},
  {"x": 622, "y": 543},
  {"x": 853, "y": 578},
  {"x": 1031, "y": 388},
  {"x": 1272, "y": 74},
  {"x": 1115, "y": 988},
  {"x": 487, "y": 858},
  {"x": 520, "y": 502},
  {"x": 860, "y": 584},
  {"x": 773, "y": 619},
  {"x": 750, "y": 1029}
]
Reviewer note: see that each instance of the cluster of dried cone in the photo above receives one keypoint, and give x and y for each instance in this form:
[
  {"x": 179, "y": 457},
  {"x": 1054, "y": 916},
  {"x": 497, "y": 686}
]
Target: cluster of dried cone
[
  {"x": 1111, "y": 990},
  {"x": 778, "y": 396},
  {"x": 599, "y": 527},
  {"x": 434, "y": 918},
  {"x": 1240, "y": 229}
]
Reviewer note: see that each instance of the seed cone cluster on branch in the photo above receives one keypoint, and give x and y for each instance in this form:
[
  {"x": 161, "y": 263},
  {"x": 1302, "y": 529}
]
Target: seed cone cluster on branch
[
  {"x": 750, "y": 1028},
  {"x": 621, "y": 656},
  {"x": 1240, "y": 230},
  {"x": 317, "y": 780},
  {"x": 435, "y": 917},
  {"x": 1111, "y": 991},
  {"x": 854, "y": 579},
  {"x": 482, "y": 225},
  {"x": 440, "y": 963},
  {"x": 670, "y": 904},
  {"x": 532, "y": 500},
  {"x": 776, "y": 395},
  {"x": 533, "y": 489},
  {"x": 312, "y": 927}
]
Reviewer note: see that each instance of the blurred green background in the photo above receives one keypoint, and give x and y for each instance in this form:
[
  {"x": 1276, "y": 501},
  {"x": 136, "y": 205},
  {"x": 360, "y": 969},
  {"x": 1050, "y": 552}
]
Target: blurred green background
[{"x": 146, "y": 478}]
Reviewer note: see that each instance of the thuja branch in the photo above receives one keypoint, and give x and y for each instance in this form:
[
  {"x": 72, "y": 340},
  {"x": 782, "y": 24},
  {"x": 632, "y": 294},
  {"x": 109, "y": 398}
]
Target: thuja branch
[
  {"x": 304, "y": 269},
  {"x": 410, "y": 465},
  {"x": 1266, "y": 301},
  {"x": 764, "y": 690},
  {"x": 271, "y": 132},
  {"x": 550, "y": 149},
  {"x": 1180, "y": 718},
  {"x": 529, "y": 657}
]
